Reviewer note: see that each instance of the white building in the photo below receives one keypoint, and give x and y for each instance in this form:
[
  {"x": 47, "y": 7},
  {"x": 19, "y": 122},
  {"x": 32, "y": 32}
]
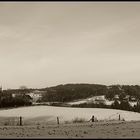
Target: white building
[
  {"x": 35, "y": 95},
  {"x": 100, "y": 98},
  {"x": 116, "y": 97},
  {"x": 13, "y": 95}
]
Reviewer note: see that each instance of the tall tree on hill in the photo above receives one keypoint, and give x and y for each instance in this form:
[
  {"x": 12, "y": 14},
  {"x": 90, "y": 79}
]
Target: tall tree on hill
[{"x": 115, "y": 105}]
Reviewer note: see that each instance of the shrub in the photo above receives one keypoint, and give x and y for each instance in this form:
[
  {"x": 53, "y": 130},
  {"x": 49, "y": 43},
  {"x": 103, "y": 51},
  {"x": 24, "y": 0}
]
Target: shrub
[{"x": 67, "y": 122}]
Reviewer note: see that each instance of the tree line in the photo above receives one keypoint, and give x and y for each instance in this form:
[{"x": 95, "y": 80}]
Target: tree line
[
  {"x": 123, "y": 105},
  {"x": 7, "y": 100},
  {"x": 70, "y": 92}
]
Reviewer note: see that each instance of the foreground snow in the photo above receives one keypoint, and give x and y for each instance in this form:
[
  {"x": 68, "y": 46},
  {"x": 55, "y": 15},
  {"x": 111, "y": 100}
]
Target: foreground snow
[{"x": 67, "y": 113}]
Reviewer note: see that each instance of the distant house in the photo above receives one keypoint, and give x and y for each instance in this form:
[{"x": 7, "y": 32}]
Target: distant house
[
  {"x": 100, "y": 99},
  {"x": 35, "y": 95},
  {"x": 116, "y": 97},
  {"x": 133, "y": 99},
  {"x": 16, "y": 94},
  {"x": 126, "y": 98}
]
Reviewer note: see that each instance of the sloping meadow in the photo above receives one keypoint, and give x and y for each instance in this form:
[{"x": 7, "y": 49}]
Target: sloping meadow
[{"x": 51, "y": 115}]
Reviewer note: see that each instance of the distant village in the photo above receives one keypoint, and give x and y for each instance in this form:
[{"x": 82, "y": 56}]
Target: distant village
[{"x": 35, "y": 97}]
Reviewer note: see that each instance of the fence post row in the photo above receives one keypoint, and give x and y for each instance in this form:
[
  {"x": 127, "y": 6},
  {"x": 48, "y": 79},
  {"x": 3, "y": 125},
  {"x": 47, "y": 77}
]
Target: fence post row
[
  {"x": 57, "y": 120},
  {"x": 20, "y": 121},
  {"x": 119, "y": 117},
  {"x": 93, "y": 119}
]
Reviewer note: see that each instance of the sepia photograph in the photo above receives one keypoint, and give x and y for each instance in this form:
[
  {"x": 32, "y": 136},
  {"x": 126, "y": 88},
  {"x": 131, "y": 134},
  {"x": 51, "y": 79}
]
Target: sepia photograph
[{"x": 69, "y": 70}]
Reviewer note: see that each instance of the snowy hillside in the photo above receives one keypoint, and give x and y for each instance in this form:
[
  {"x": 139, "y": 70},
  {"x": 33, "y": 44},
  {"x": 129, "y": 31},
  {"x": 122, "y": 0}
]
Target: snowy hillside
[{"x": 67, "y": 113}]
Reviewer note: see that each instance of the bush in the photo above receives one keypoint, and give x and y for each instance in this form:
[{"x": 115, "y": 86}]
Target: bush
[
  {"x": 124, "y": 105},
  {"x": 115, "y": 105},
  {"x": 67, "y": 122}
]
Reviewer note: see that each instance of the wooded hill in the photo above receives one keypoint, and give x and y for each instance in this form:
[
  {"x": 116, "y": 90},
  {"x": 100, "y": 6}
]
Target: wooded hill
[{"x": 70, "y": 92}]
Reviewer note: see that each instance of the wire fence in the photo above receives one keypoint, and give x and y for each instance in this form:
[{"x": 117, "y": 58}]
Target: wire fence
[
  {"x": 114, "y": 117},
  {"x": 21, "y": 121},
  {"x": 12, "y": 121}
]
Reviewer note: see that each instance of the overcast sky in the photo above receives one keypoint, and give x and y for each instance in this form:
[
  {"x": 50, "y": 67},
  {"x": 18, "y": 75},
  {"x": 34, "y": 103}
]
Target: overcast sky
[{"x": 45, "y": 44}]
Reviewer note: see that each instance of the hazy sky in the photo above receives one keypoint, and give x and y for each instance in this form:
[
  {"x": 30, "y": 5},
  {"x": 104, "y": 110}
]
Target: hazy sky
[{"x": 49, "y": 43}]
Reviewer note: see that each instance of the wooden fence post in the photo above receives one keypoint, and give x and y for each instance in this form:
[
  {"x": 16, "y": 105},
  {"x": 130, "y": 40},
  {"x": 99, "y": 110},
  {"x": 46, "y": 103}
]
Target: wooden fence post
[
  {"x": 57, "y": 120},
  {"x": 119, "y": 117},
  {"x": 20, "y": 121},
  {"x": 92, "y": 119}
]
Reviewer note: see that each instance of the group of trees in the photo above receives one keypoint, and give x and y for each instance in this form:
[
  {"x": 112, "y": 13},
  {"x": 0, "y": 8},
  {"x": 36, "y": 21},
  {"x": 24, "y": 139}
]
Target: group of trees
[
  {"x": 122, "y": 105},
  {"x": 122, "y": 91},
  {"x": 7, "y": 100},
  {"x": 70, "y": 92}
]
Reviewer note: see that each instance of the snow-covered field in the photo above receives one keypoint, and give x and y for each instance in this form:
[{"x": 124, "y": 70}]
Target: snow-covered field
[
  {"x": 91, "y": 100},
  {"x": 66, "y": 113}
]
